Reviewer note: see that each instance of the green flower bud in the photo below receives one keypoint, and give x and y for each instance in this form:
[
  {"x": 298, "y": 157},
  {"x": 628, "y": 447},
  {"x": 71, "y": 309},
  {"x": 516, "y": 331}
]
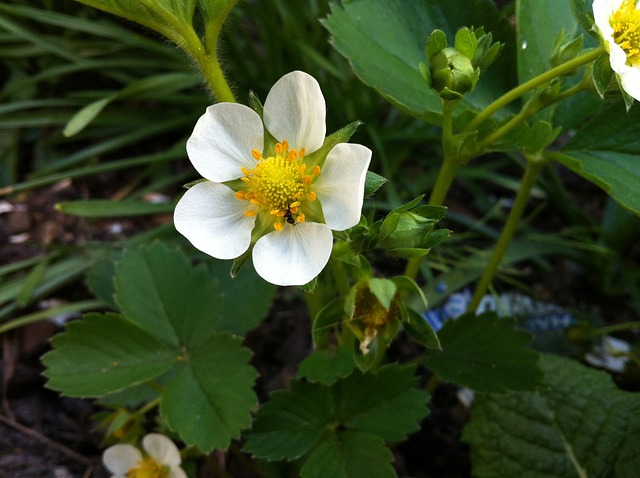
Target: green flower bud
[{"x": 452, "y": 73}]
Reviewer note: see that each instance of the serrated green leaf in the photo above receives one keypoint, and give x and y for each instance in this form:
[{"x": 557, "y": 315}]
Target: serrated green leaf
[
  {"x": 485, "y": 353},
  {"x": 102, "y": 354},
  {"x": 209, "y": 401},
  {"x": 386, "y": 403},
  {"x": 327, "y": 366},
  {"x": 384, "y": 40},
  {"x": 577, "y": 424},
  {"x": 291, "y": 423},
  {"x": 350, "y": 454},
  {"x": 157, "y": 288},
  {"x": 246, "y": 299}
]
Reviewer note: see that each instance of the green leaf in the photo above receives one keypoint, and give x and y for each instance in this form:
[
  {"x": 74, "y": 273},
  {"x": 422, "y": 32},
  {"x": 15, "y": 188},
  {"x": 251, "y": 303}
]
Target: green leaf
[
  {"x": 210, "y": 399},
  {"x": 291, "y": 423},
  {"x": 107, "y": 208},
  {"x": 384, "y": 290},
  {"x": 605, "y": 151},
  {"x": 103, "y": 354},
  {"x": 350, "y": 454},
  {"x": 387, "y": 404},
  {"x": 385, "y": 42},
  {"x": 538, "y": 26},
  {"x": 328, "y": 365},
  {"x": 577, "y": 424},
  {"x": 602, "y": 74},
  {"x": 157, "y": 288},
  {"x": 486, "y": 354},
  {"x": 246, "y": 299}
]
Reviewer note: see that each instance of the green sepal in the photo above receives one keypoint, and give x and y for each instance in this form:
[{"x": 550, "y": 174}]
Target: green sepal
[
  {"x": 436, "y": 42},
  {"x": 384, "y": 290},
  {"x": 238, "y": 263},
  {"x": 566, "y": 48},
  {"x": 255, "y": 104},
  {"x": 341, "y": 136},
  {"x": 190, "y": 184},
  {"x": 419, "y": 330},
  {"x": 372, "y": 183},
  {"x": 583, "y": 13},
  {"x": 326, "y": 322},
  {"x": 602, "y": 74},
  {"x": 466, "y": 42}
]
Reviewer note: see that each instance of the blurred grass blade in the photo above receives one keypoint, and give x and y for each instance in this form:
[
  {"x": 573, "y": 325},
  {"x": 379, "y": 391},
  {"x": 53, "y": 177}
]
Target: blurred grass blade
[
  {"x": 106, "y": 208},
  {"x": 83, "y": 306},
  {"x": 31, "y": 282},
  {"x": 159, "y": 84}
]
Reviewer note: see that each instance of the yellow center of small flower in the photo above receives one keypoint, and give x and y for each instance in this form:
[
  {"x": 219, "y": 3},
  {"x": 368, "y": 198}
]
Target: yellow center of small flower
[
  {"x": 626, "y": 30},
  {"x": 149, "y": 468},
  {"x": 278, "y": 184}
]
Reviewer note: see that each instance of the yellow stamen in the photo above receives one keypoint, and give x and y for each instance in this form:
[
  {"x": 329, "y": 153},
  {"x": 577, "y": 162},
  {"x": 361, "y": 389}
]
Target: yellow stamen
[
  {"x": 241, "y": 195},
  {"x": 312, "y": 196},
  {"x": 285, "y": 145},
  {"x": 245, "y": 171},
  {"x": 300, "y": 218},
  {"x": 292, "y": 155},
  {"x": 302, "y": 152},
  {"x": 250, "y": 213},
  {"x": 245, "y": 179},
  {"x": 278, "y": 148},
  {"x": 294, "y": 210},
  {"x": 278, "y": 226},
  {"x": 307, "y": 180},
  {"x": 294, "y": 204},
  {"x": 626, "y": 31},
  {"x": 257, "y": 155},
  {"x": 273, "y": 212},
  {"x": 316, "y": 170},
  {"x": 148, "y": 468}
]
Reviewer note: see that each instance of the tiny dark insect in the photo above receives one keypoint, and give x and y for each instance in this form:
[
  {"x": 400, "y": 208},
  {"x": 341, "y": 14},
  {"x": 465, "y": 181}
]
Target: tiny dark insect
[{"x": 289, "y": 218}]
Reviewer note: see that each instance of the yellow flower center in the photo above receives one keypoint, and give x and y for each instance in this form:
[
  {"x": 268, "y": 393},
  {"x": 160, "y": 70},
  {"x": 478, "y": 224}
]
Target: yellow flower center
[
  {"x": 149, "y": 468},
  {"x": 278, "y": 184},
  {"x": 626, "y": 30}
]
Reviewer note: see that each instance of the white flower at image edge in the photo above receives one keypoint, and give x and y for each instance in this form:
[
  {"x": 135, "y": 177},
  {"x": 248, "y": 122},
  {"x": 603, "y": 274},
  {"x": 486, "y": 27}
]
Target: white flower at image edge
[
  {"x": 618, "y": 22},
  {"x": 162, "y": 459},
  {"x": 287, "y": 200}
]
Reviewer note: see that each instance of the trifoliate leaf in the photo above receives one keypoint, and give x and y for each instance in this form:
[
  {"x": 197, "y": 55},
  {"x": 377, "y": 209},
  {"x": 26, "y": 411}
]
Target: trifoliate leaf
[
  {"x": 485, "y": 353},
  {"x": 209, "y": 400},
  {"x": 292, "y": 422},
  {"x": 577, "y": 424},
  {"x": 350, "y": 454},
  {"x": 387, "y": 404},
  {"x": 102, "y": 354}
]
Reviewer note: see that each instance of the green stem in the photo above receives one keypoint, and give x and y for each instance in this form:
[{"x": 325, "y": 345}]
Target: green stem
[
  {"x": 615, "y": 328},
  {"x": 534, "y": 166},
  {"x": 450, "y": 165},
  {"x": 533, "y": 83}
]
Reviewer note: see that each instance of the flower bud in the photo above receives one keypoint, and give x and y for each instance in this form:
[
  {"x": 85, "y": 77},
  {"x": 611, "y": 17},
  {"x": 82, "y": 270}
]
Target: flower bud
[{"x": 452, "y": 73}]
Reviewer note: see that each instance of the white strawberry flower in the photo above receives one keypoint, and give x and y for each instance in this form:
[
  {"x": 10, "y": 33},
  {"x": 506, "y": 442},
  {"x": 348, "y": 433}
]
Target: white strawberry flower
[
  {"x": 618, "y": 23},
  {"x": 161, "y": 459},
  {"x": 265, "y": 186}
]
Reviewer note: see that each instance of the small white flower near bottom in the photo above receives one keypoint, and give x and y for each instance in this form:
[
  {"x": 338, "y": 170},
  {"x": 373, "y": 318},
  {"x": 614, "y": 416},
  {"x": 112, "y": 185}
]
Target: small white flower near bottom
[
  {"x": 162, "y": 459},
  {"x": 618, "y": 23},
  {"x": 280, "y": 197}
]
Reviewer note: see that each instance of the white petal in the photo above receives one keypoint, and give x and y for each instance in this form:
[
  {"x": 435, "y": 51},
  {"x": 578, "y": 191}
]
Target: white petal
[
  {"x": 177, "y": 472},
  {"x": 222, "y": 141},
  {"x": 119, "y": 459},
  {"x": 161, "y": 449},
  {"x": 213, "y": 220},
  {"x": 295, "y": 110},
  {"x": 602, "y": 11},
  {"x": 340, "y": 186},
  {"x": 630, "y": 80},
  {"x": 294, "y": 255}
]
